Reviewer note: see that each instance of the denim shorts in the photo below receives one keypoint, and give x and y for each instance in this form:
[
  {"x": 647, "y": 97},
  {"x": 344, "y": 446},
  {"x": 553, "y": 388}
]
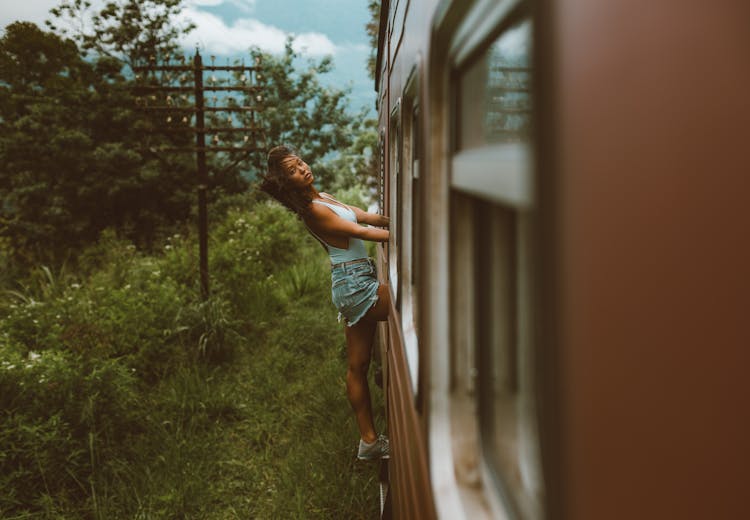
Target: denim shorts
[{"x": 354, "y": 289}]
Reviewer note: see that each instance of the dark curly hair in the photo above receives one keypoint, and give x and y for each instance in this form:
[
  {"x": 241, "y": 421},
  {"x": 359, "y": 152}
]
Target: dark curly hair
[{"x": 276, "y": 183}]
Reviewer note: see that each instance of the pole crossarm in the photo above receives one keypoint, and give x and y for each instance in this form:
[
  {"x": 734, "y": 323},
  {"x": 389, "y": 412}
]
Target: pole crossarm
[
  {"x": 158, "y": 88},
  {"x": 207, "y": 149},
  {"x": 146, "y": 87},
  {"x": 190, "y": 68},
  {"x": 209, "y": 130},
  {"x": 162, "y": 108}
]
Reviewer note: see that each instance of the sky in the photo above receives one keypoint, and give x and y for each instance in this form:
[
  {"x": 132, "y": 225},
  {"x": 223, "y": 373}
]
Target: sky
[{"x": 227, "y": 28}]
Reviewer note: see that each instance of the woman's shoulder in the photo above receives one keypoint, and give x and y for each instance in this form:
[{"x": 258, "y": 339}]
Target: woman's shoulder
[{"x": 317, "y": 211}]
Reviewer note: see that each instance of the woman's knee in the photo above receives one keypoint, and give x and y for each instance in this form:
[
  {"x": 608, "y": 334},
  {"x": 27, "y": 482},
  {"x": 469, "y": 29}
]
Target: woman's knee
[
  {"x": 358, "y": 368},
  {"x": 358, "y": 365}
]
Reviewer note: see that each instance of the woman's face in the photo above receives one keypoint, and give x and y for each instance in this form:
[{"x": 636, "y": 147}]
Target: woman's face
[{"x": 299, "y": 172}]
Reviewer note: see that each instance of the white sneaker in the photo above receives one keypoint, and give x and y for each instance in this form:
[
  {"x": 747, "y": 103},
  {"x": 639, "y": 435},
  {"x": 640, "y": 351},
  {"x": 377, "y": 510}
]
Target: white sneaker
[{"x": 379, "y": 449}]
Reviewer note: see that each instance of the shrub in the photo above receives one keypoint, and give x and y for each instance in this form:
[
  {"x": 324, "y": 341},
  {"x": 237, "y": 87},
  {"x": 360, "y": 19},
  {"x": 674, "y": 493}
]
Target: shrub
[
  {"x": 248, "y": 249},
  {"x": 119, "y": 400},
  {"x": 63, "y": 419}
]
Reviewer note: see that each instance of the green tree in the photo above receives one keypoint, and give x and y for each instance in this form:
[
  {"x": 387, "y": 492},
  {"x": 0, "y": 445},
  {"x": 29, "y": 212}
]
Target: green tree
[
  {"x": 297, "y": 109},
  {"x": 373, "y": 30},
  {"x": 78, "y": 156},
  {"x": 355, "y": 165},
  {"x": 69, "y": 146},
  {"x": 131, "y": 31}
]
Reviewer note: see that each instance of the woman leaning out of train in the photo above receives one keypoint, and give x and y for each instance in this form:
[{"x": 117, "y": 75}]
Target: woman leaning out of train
[{"x": 361, "y": 300}]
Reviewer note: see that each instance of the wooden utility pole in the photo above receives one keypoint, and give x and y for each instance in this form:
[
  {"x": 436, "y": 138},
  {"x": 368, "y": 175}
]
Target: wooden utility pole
[
  {"x": 250, "y": 75},
  {"x": 200, "y": 161}
]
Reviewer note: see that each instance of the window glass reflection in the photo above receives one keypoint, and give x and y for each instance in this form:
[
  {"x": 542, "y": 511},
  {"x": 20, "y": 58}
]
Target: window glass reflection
[{"x": 495, "y": 92}]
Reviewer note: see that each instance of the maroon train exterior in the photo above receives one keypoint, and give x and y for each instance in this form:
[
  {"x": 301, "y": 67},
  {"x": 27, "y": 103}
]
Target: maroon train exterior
[{"x": 568, "y": 185}]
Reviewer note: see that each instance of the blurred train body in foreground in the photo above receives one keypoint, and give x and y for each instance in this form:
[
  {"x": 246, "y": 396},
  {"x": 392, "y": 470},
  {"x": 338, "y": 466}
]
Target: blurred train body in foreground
[{"x": 567, "y": 184}]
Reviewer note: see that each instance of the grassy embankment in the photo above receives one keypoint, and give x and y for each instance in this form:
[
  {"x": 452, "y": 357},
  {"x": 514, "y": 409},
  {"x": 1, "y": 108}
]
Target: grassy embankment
[{"x": 123, "y": 396}]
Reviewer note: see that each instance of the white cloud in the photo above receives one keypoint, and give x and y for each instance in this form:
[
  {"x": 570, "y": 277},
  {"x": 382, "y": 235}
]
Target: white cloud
[
  {"x": 211, "y": 32},
  {"x": 36, "y": 11},
  {"x": 217, "y": 37},
  {"x": 246, "y": 6},
  {"x": 205, "y": 3},
  {"x": 314, "y": 43}
]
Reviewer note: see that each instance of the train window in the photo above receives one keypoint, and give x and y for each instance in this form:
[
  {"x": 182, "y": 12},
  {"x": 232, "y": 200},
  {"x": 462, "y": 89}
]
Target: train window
[
  {"x": 415, "y": 202},
  {"x": 381, "y": 180},
  {"x": 409, "y": 226},
  {"x": 491, "y": 201},
  {"x": 495, "y": 101},
  {"x": 394, "y": 187},
  {"x": 381, "y": 173}
]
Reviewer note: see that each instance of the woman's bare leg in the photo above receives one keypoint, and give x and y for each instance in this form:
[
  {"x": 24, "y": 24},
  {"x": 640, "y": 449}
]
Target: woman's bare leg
[
  {"x": 359, "y": 339},
  {"x": 358, "y": 345},
  {"x": 379, "y": 311}
]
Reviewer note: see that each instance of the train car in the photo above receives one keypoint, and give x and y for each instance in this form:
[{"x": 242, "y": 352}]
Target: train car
[{"x": 568, "y": 261}]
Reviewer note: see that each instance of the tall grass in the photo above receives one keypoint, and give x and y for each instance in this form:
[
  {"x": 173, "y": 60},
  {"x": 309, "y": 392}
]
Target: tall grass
[{"x": 122, "y": 395}]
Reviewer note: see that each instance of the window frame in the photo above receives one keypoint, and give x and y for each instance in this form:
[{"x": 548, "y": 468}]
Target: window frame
[
  {"x": 408, "y": 247},
  {"x": 495, "y": 176},
  {"x": 458, "y": 464},
  {"x": 395, "y": 167}
]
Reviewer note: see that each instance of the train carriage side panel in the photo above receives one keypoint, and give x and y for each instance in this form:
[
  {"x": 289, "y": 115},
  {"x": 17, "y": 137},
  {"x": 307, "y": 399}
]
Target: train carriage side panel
[
  {"x": 410, "y": 489},
  {"x": 627, "y": 277},
  {"x": 652, "y": 169}
]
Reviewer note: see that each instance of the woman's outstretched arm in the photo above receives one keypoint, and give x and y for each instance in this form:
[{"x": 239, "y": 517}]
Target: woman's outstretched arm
[
  {"x": 373, "y": 219},
  {"x": 363, "y": 217},
  {"x": 324, "y": 221}
]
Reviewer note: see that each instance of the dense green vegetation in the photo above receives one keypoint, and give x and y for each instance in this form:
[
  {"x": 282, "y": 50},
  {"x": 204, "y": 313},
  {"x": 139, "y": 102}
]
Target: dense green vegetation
[
  {"x": 80, "y": 157},
  {"x": 122, "y": 394}
]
